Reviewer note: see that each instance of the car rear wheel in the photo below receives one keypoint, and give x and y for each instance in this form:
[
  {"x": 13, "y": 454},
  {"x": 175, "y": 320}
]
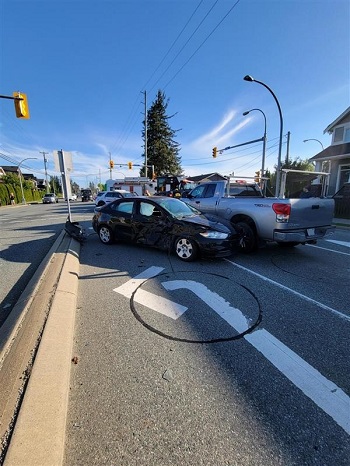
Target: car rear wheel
[
  {"x": 105, "y": 234},
  {"x": 186, "y": 249}
]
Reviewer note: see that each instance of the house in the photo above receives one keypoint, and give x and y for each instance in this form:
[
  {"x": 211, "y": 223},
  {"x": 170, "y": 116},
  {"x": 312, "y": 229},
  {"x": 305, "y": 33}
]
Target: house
[
  {"x": 5, "y": 170},
  {"x": 337, "y": 155}
]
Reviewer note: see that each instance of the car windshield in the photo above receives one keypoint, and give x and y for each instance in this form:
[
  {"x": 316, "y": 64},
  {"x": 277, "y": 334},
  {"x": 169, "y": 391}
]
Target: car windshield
[{"x": 178, "y": 208}]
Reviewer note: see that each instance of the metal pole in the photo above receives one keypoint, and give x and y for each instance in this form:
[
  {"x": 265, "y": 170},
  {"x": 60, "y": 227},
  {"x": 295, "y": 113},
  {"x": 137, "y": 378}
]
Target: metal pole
[
  {"x": 20, "y": 176},
  {"x": 45, "y": 166},
  {"x": 146, "y": 170},
  {"x": 264, "y": 139},
  {"x": 279, "y": 160},
  {"x": 20, "y": 182},
  {"x": 287, "y": 153}
]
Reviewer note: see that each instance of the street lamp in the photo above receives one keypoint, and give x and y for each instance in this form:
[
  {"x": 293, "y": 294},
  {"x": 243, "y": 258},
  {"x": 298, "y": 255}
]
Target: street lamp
[
  {"x": 20, "y": 176},
  {"x": 279, "y": 161},
  {"x": 306, "y": 140},
  {"x": 264, "y": 138}
]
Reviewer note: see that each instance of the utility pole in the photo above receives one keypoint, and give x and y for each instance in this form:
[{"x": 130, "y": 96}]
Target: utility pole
[
  {"x": 145, "y": 134},
  {"x": 287, "y": 154},
  {"x": 45, "y": 162},
  {"x": 110, "y": 166}
]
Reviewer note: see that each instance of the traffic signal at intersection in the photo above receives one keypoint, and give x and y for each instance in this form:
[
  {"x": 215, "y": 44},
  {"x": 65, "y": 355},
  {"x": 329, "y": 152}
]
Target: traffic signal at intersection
[
  {"x": 21, "y": 105},
  {"x": 111, "y": 164},
  {"x": 257, "y": 176},
  {"x": 130, "y": 165},
  {"x": 215, "y": 152}
]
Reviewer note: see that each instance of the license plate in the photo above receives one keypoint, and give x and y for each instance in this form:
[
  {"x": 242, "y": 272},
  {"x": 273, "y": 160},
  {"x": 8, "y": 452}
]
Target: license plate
[{"x": 311, "y": 231}]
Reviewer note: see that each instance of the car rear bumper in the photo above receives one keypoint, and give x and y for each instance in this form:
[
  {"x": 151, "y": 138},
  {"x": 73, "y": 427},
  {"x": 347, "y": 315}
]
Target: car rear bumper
[{"x": 304, "y": 235}]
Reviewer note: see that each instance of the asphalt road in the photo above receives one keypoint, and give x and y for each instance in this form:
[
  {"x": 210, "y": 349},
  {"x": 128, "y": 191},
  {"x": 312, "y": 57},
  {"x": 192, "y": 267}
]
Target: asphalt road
[
  {"x": 218, "y": 362},
  {"x": 167, "y": 370},
  {"x": 27, "y": 234}
]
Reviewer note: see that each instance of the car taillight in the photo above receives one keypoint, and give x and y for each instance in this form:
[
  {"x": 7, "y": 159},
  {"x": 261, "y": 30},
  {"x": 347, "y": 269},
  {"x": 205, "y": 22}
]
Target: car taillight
[{"x": 282, "y": 211}]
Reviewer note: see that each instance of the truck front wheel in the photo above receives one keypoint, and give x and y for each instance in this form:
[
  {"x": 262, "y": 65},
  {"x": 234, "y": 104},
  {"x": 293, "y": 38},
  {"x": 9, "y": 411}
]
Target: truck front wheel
[{"x": 248, "y": 240}]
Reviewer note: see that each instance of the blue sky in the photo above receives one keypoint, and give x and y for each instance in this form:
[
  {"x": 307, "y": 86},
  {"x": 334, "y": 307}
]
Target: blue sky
[{"x": 85, "y": 66}]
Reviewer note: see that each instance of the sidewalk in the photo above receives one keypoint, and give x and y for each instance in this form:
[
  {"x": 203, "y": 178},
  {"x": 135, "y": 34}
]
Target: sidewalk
[
  {"x": 341, "y": 222},
  {"x": 39, "y": 430}
]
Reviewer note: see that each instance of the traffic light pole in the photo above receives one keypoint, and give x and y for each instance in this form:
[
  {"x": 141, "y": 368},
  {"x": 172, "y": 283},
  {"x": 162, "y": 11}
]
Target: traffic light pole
[{"x": 239, "y": 145}]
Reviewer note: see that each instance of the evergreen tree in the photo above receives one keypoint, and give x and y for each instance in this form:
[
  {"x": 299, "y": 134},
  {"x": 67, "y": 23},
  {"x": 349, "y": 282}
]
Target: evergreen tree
[{"x": 162, "y": 149}]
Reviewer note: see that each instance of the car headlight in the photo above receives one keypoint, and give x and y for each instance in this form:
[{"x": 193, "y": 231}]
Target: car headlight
[{"x": 214, "y": 234}]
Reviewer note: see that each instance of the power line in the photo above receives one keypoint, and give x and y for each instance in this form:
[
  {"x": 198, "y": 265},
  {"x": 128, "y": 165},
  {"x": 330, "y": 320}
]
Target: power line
[{"x": 201, "y": 45}]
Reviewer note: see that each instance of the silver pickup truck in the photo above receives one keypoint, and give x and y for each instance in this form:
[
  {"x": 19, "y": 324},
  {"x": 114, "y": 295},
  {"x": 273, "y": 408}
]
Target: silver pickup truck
[{"x": 288, "y": 222}]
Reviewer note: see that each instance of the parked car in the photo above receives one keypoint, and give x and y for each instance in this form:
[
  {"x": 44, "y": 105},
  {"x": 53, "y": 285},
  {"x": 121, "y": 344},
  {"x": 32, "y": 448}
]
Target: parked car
[
  {"x": 165, "y": 223},
  {"x": 110, "y": 196},
  {"x": 50, "y": 198},
  {"x": 72, "y": 197}
]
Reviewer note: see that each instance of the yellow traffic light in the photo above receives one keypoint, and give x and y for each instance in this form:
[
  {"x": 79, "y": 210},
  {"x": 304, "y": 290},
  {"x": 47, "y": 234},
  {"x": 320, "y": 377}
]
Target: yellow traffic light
[
  {"x": 215, "y": 152},
  {"x": 21, "y": 105},
  {"x": 257, "y": 176},
  {"x": 130, "y": 165},
  {"x": 111, "y": 164}
]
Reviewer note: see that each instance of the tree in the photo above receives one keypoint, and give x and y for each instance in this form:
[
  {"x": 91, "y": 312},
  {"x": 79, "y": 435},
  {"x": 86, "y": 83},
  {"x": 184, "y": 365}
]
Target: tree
[{"x": 162, "y": 149}]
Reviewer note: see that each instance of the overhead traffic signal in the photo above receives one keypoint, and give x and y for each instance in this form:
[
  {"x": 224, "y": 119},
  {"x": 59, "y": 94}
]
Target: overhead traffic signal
[
  {"x": 130, "y": 165},
  {"x": 21, "y": 105},
  {"x": 215, "y": 152},
  {"x": 257, "y": 176},
  {"x": 111, "y": 164}
]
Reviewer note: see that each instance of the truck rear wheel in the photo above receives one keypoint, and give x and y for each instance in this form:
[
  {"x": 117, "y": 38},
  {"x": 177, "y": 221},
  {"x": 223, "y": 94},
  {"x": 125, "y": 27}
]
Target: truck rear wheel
[{"x": 248, "y": 241}]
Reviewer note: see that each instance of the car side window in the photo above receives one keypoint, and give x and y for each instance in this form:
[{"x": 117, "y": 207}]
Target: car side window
[
  {"x": 198, "y": 192},
  {"x": 146, "y": 209},
  {"x": 125, "y": 207},
  {"x": 210, "y": 192}
]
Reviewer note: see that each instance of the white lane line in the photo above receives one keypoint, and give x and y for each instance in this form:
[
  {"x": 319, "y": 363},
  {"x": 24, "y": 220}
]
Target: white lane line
[
  {"x": 157, "y": 303},
  {"x": 327, "y": 249},
  {"x": 326, "y": 394},
  {"x": 313, "y": 301},
  {"x": 342, "y": 243}
]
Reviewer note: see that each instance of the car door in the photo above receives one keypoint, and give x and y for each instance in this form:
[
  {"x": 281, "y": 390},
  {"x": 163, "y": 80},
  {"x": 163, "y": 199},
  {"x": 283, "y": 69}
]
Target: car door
[
  {"x": 121, "y": 219},
  {"x": 151, "y": 224},
  {"x": 202, "y": 198}
]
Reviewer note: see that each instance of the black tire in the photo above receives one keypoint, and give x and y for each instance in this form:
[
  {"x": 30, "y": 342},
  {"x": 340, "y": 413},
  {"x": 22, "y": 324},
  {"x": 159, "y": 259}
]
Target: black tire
[
  {"x": 248, "y": 242},
  {"x": 186, "y": 249},
  {"x": 105, "y": 234}
]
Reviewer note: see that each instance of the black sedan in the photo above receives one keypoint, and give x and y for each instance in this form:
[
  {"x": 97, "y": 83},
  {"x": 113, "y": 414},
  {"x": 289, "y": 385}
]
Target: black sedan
[{"x": 165, "y": 223}]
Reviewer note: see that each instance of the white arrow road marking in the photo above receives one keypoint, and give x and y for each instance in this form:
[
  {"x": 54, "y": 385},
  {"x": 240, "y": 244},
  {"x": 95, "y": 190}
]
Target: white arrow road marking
[
  {"x": 232, "y": 315},
  {"x": 324, "y": 393},
  {"x": 157, "y": 303}
]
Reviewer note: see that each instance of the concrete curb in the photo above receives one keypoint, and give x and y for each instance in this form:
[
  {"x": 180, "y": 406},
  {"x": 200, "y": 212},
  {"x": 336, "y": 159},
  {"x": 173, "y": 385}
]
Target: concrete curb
[{"x": 39, "y": 434}]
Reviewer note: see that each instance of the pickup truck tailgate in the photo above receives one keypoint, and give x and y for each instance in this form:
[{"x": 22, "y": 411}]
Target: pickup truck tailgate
[{"x": 312, "y": 212}]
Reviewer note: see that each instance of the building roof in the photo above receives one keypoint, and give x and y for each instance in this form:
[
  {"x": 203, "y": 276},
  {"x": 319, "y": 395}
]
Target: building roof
[
  {"x": 336, "y": 151},
  {"x": 330, "y": 127},
  {"x": 207, "y": 177}
]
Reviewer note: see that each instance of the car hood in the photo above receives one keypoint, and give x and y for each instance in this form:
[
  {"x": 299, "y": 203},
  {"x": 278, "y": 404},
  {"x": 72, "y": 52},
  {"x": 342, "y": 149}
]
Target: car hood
[{"x": 207, "y": 222}]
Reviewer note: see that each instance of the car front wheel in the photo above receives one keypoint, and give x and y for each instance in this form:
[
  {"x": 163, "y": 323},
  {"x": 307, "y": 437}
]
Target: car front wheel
[
  {"x": 105, "y": 235},
  {"x": 186, "y": 249}
]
